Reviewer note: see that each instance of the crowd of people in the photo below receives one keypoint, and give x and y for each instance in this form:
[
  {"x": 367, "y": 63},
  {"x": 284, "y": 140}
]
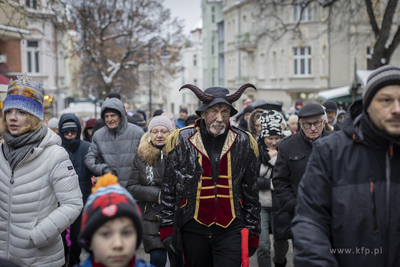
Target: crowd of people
[{"x": 199, "y": 190}]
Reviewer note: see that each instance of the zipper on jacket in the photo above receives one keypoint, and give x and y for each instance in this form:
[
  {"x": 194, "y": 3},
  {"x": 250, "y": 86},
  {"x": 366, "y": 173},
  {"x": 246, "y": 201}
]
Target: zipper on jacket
[
  {"x": 374, "y": 221},
  {"x": 9, "y": 216}
]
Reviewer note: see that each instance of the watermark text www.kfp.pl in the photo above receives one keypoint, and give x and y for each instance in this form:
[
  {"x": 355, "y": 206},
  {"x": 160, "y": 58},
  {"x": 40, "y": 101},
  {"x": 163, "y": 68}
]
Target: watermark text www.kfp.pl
[{"x": 357, "y": 250}]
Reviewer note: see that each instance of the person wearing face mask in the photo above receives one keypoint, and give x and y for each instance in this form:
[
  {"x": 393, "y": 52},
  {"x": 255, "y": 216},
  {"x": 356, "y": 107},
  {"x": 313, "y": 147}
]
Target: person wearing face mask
[
  {"x": 271, "y": 133},
  {"x": 291, "y": 163},
  {"x": 145, "y": 184},
  {"x": 210, "y": 181},
  {"x": 40, "y": 188},
  {"x": 70, "y": 132}
]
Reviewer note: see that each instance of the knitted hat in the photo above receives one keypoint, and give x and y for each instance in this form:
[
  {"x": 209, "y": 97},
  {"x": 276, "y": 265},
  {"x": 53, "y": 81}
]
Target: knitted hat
[
  {"x": 161, "y": 121},
  {"x": 157, "y": 112},
  {"x": 138, "y": 120},
  {"x": 330, "y": 106},
  {"x": 69, "y": 126},
  {"x": 293, "y": 118},
  {"x": 53, "y": 123},
  {"x": 22, "y": 94},
  {"x": 112, "y": 95},
  {"x": 108, "y": 201},
  {"x": 271, "y": 123},
  {"x": 184, "y": 110},
  {"x": 310, "y": 110},
  {"x": 379, "y": 78},
  {"x": 248, "y": 109},
  {"x": 191, "y": 119}
]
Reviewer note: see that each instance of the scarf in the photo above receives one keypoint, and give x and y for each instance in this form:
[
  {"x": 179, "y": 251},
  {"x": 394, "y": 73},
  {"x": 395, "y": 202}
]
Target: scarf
[
  {"x": 16, "y": 147},
  {"x": 70, "y": 145}
]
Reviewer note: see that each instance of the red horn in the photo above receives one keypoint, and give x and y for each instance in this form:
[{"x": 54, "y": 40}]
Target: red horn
[
  {"x": 203, "y": 97},
  {"x": 236, "y": 95}
]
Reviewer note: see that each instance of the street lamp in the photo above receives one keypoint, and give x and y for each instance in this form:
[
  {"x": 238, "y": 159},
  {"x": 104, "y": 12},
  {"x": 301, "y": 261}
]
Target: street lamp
[{"x": 164, "y": 55}]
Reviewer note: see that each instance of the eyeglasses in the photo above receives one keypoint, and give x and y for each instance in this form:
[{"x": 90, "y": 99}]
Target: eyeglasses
[
  {"x": 307, "y": 125},
  {"x": 163, "y": 132},
  {"x": 66, "y": 133}
]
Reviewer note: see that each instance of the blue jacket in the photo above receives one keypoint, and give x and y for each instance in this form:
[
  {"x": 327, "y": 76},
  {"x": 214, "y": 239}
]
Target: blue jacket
[
  {"x": 138, "y": 263},
  {"x": 77, "y": 150},
  {"x": 180, "y": 123}
]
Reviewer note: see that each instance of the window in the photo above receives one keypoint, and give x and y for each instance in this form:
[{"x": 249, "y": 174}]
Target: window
[
  {"x": 31, "y": 4},
  {"x": 213, "y": 77},
  {"x": 306, "y": 16},
  {"x": 212, "y": 45},
  {"x": 245, "y": 66},
  {"x": 194, "y": 60},
  {"x": 302, "y": 61},
  {"x": 282, "y": 62},
  {"x": 33, "y": 62},
  {"x": 324, "y": 61},
  {"x": 195, "y": 82},
  {"x": 244, "y": 24},
  {"x": 212, "y": 14},
  {"x": 262, "y": 66},
  {"x": 274, "y": 69},
  {"x": 370, "y": 52}
]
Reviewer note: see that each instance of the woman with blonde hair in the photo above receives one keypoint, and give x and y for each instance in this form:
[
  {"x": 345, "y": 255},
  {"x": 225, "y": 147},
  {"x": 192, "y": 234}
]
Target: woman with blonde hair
[{"x": 39, "y": 188}]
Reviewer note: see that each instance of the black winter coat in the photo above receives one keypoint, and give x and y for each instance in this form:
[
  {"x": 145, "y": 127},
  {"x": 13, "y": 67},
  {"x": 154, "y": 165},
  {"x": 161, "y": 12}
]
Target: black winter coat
[
  {"x": 349, "y": 198},
  {"x": 185, "y": 158},
  {"x": 145, "y": 184},
  {"x": 77, "y": 150},
  {"x": 290, "y": 166}
]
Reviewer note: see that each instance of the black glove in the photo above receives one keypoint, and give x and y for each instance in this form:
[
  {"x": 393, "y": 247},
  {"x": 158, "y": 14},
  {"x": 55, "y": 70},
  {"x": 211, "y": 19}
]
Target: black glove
[
  {"x": 252, "y": 251},
  {"x": 169, "y": 246}
]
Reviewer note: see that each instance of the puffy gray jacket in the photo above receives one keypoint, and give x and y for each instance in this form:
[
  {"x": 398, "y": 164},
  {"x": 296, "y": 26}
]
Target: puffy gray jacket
[{"x": 113, "y": 150}]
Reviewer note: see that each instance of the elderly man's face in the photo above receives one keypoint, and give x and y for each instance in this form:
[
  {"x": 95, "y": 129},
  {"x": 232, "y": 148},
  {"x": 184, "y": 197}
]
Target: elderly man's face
[
  {"x": 217, "y": 118},
  {"x": 384, "y": 110},
  {"x": 312, "y": 126}
]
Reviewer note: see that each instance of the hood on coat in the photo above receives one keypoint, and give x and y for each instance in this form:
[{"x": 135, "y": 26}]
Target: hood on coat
[
  {"x": 148, "y": 153},
  {"x": 116, "y": 104},
  {"x": 252, "y": 120},
  {"x": 70, "y": 117}
]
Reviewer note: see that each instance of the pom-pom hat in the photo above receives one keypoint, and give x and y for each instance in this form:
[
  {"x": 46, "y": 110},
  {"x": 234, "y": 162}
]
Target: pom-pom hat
[
  {"x": 108, "y": 201},
  {"x": 25, "y": 95}
]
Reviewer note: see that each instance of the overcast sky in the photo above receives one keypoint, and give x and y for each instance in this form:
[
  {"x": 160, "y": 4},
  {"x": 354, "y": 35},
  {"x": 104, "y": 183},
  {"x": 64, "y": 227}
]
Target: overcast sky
[{"x": 188, "y": 10}]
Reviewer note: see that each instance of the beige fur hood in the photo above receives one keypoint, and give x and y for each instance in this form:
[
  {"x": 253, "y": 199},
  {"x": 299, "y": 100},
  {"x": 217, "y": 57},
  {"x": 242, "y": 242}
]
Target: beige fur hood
[{"x": 148, "y": 153}]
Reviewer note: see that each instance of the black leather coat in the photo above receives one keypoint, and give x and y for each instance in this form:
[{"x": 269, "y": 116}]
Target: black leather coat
[{"x": 184, "y": 158}]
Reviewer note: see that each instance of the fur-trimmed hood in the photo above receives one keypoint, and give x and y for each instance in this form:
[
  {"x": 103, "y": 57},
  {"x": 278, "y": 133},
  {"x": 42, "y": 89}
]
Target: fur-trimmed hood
[
  {"x": 252, "y": 121},
  {"x": 148, "y": 153}
]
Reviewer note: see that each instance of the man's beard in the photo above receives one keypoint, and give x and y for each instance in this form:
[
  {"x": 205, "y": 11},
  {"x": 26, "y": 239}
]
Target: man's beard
[{"x": 216, "y": 132}]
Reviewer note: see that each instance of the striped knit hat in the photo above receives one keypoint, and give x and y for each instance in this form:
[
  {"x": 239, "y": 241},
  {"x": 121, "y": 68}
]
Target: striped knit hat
[
  {"x": 69, "y": 126},
  {"x": 379, "y": 78},
  {"x": 26, "y": 95}
]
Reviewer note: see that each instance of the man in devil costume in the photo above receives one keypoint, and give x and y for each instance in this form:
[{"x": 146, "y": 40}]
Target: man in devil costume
[{"x": 219, "y": 197}]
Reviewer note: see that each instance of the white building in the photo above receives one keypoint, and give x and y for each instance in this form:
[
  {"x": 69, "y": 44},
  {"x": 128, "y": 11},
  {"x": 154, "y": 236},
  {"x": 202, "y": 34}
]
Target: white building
[{"x": 192, "y": 73}]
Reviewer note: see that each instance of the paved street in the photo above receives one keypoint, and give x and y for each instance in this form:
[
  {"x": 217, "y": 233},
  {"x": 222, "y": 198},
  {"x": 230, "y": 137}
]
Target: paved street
[{"x": 253, "y": 260}]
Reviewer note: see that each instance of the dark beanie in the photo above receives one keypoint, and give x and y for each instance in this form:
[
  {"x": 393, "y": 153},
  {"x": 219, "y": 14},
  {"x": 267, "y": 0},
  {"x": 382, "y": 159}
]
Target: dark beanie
[
  {"x": 158, "y": 112},
  {"x": 379, "y": 78},
  {"x": 330, "y": 105},
  {"x": 184, "y": 110},
  {"x": 138, "y": 120},
  {"x": 106, "y": 110},
  {"x": 112, "y": 95},
  {"x": 248, "y": 109},
  {"x": 191, "y": 119},
  {"x": 108, "y": 201}
]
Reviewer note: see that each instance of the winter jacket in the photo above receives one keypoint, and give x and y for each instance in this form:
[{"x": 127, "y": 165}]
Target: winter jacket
[
  {"x": 113, "y": 150},
  {"x": 180, "y": 123},
  {"x": 77, "y": 152},
  {"x": 30, "y": 218},
  {"x": 189, "y": 158},
  {"x": 290, "y": 165},
  {"x": 145, "y": 184},
  {"x": 349, "y": 198},
  {"x": 138, "y": 263}
]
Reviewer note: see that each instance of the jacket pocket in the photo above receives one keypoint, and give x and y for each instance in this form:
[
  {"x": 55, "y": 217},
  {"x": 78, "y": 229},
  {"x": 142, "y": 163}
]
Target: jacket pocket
[{"x": 297, "y": 157}]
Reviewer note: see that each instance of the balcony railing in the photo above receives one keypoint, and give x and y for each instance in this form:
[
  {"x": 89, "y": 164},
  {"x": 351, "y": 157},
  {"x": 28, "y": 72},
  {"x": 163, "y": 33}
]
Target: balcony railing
[{"x": 245, "y": 41}]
